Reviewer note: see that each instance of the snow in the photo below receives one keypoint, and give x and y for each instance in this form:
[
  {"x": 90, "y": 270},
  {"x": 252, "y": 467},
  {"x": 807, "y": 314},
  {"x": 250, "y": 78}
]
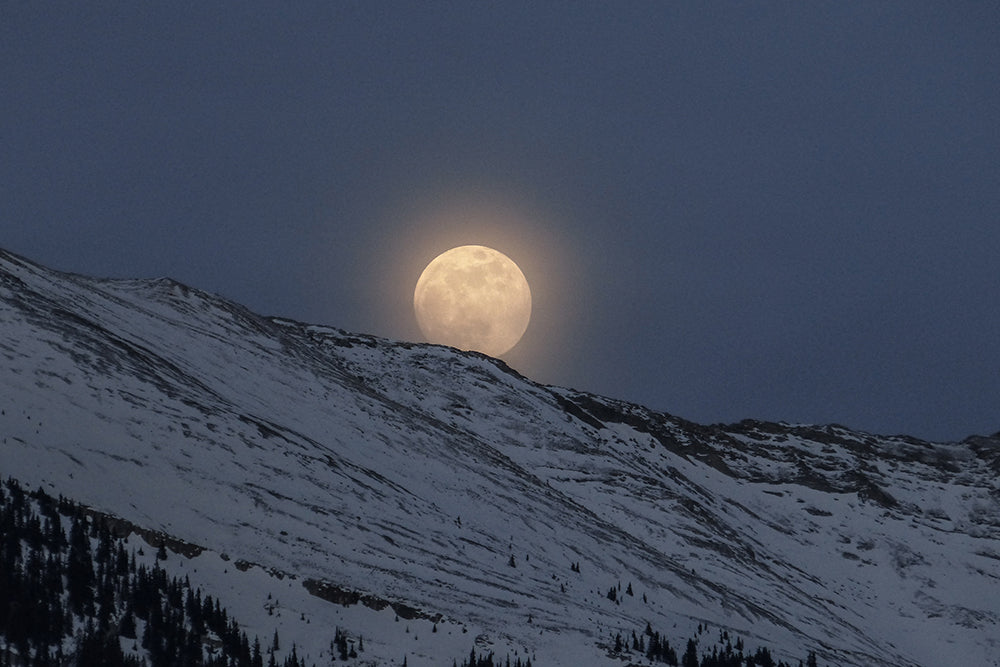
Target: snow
[{"x": 413, "y": 472}]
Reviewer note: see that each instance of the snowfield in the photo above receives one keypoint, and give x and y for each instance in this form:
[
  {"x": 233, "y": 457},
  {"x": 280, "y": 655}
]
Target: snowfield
[{"x": 447, "y": 484}]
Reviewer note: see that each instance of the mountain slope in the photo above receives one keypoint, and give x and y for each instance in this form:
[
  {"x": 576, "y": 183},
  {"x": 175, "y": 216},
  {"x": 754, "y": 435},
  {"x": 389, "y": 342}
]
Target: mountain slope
[{"x": 418, "y": 474}]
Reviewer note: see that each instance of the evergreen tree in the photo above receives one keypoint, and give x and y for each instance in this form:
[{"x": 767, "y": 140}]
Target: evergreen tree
[
  {"x": 80, "y": 570},
  {"x": 690, "y": 658},
  {"x": 256, "y": 659},
  {"x": 127, "y": 627}
]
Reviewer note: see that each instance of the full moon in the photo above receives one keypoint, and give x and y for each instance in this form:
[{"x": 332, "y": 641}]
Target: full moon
[{"x": 473, "y": 298}]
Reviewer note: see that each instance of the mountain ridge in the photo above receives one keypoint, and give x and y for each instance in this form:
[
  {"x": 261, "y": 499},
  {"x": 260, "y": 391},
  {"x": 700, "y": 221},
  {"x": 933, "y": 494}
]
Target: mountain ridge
[{"x": 421, "y": 472}]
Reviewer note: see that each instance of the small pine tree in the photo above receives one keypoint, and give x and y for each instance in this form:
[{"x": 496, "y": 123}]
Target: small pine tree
[
  {"x": 690, "y": 658},
  {"x": 127, "y": 628},
  {"x": 256, "y": 658}
]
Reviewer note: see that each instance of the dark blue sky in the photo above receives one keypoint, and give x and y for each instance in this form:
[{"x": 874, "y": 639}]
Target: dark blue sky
[{"x": 785, "y": 211}]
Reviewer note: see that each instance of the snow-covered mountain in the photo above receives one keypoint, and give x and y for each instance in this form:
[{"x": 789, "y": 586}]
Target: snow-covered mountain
[{"x": 443, "y": 484}]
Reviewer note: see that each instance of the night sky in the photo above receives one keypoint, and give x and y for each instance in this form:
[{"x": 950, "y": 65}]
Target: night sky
[{"x": 785, "y": 211}]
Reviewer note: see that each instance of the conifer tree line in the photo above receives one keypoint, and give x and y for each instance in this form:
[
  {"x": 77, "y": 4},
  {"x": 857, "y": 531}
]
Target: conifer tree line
[
  {"x": 65, "y": 602},
  {"x": 71, "y": 596},
  {"x": 487, "y": 660},
  {"x": 724, "y": 653}
]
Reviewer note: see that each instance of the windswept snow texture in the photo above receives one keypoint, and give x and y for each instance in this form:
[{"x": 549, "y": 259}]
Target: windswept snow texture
[{"x": 415, "y": 473}]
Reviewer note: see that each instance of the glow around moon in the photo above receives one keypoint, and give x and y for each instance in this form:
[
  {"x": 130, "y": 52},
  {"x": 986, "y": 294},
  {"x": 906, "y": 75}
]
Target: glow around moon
[{"x": 473, "y": 298}]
